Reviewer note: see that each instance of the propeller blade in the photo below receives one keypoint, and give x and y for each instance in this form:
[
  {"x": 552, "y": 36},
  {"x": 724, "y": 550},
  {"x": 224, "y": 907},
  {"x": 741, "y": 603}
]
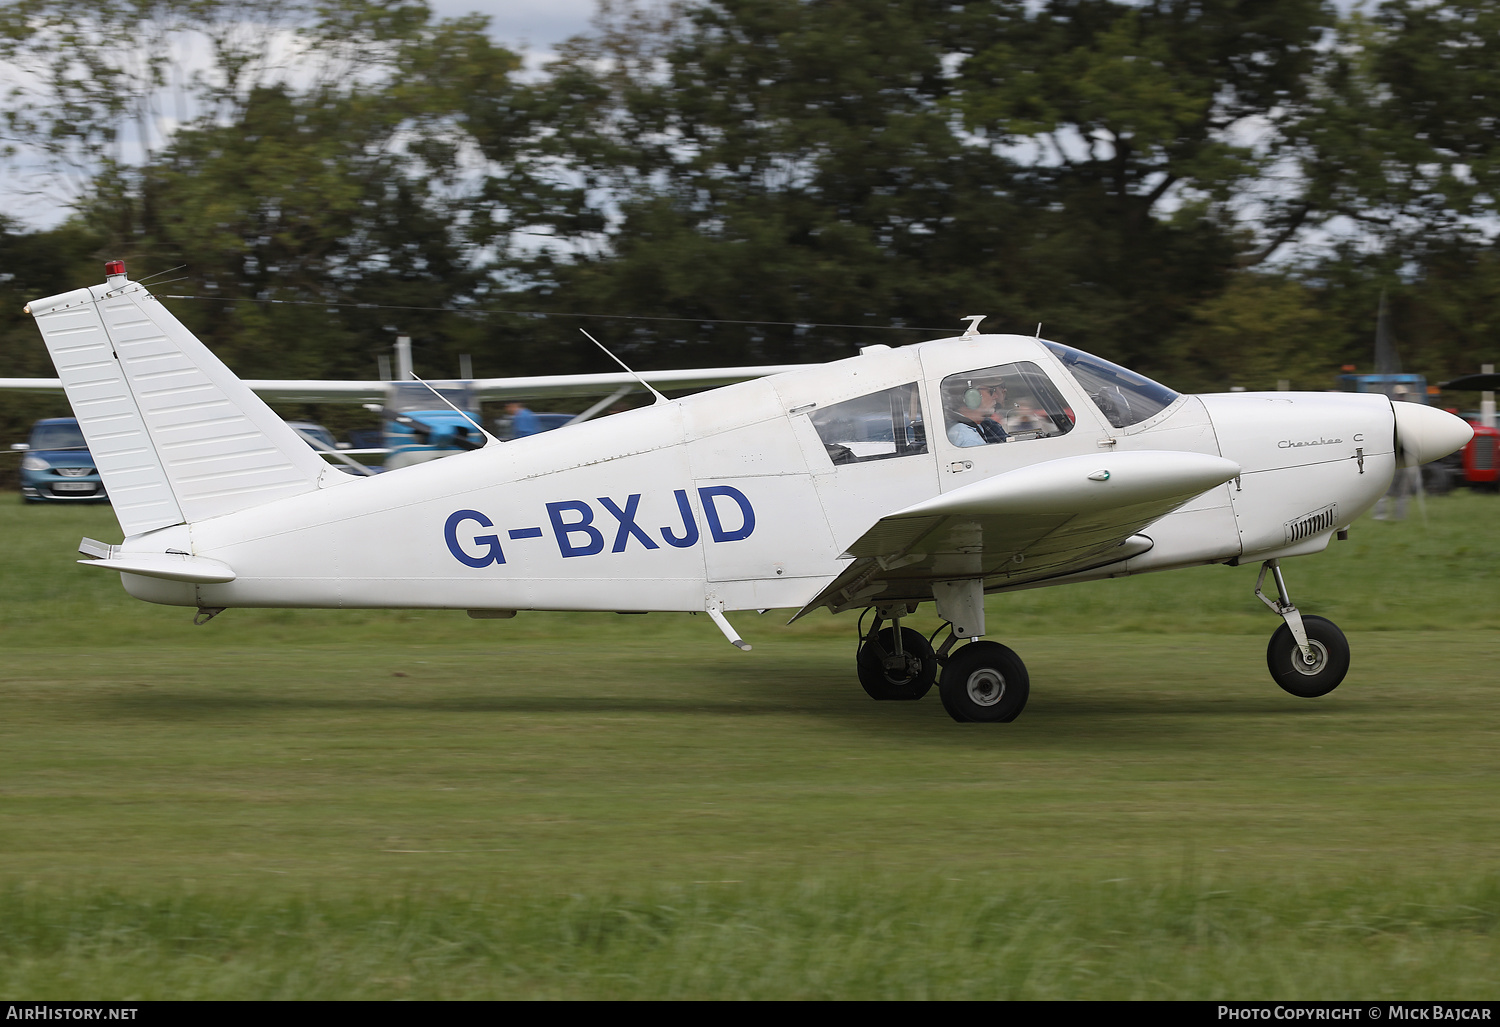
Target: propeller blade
[{"x": 1414, "y": 471}]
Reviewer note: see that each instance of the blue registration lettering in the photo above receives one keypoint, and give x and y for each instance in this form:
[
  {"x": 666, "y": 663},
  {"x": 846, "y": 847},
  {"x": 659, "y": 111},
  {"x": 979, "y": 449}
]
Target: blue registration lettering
[
  {"x": 628, "y": 527},
  {"x": 493, "y": 553},
  {"x": 563, "y": 530},
  {"x": 711, "y": 512},
  {"x": 689, "y": 535}
]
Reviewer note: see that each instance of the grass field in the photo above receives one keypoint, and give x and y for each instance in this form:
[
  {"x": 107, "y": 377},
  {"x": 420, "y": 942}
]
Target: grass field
[{"x": 382, "y": 804}]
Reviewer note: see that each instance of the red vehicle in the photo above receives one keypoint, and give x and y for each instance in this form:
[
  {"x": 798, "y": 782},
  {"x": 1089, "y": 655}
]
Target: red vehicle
[{"x": 1476, "y": 463}]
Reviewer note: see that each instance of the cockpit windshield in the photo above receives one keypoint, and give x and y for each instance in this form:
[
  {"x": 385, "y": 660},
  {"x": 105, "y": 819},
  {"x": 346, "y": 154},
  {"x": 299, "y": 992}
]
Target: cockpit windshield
[{"x": 1124, "y": 397}]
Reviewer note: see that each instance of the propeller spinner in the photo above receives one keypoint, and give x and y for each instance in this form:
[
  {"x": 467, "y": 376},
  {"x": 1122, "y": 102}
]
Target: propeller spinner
[{"x": 1426, "y": 433}]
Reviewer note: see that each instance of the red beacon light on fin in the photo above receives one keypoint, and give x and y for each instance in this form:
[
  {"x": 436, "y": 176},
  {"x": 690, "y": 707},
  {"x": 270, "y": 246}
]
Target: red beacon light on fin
[{"x": 114, "y": 268}]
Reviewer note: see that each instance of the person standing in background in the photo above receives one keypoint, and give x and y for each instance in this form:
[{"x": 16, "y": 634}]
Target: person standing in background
[{"x": 522, "y": 421}]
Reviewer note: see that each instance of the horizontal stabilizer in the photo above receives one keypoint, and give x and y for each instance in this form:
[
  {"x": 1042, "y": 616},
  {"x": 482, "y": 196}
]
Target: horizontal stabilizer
[{"x": 172, "y": 566}]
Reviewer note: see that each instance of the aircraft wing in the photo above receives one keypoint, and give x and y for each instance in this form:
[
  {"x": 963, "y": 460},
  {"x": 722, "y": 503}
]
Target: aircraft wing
[
  {"x": 576, "y": 385},
  {"x": 554, "y": 386},
  {"x": 1041, "y": 521},
  {"x": 49, "y": 385}
]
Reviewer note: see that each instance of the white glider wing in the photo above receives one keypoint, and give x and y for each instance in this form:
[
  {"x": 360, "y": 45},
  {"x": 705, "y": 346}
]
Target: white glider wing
[
  {"x": 1036, "y": 522},
  {"x": 555, "y": 386},
  {"x": 47, "y": 385}
]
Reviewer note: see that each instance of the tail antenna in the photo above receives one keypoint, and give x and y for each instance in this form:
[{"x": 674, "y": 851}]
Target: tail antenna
[
  {"x": 647, "y": 385},
  {"x": 461, "y": 413},
  {"x": 158, "y": 274},
  {"x": 110, "y": 269}
]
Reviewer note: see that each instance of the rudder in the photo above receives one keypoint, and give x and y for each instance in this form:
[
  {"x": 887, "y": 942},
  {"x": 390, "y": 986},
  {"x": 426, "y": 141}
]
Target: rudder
[{"x": 175, "y": 435}]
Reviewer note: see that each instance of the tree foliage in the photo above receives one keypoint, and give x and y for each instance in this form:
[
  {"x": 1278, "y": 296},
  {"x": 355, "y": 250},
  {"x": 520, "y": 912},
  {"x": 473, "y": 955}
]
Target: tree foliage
[
  {"x": 1214, "y": 191},
  {"x": 1072, "y": 163}
]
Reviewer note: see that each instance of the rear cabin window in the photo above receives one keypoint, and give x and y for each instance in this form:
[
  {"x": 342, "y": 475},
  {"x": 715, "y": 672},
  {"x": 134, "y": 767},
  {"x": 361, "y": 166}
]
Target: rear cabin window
[
  {"x": 1005, "y": 403},
  {"x": 880, "y": 426}
]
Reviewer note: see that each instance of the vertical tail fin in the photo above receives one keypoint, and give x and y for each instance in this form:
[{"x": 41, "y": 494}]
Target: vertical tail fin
[{"x": 175, "y": 435}]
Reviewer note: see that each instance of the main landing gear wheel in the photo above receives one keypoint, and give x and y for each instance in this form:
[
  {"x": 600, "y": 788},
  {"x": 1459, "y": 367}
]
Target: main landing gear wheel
[
  {"x": 885, "y": 674},
  {"x": 1293, "y": 671},
  {"x": 985, "y": 682}
]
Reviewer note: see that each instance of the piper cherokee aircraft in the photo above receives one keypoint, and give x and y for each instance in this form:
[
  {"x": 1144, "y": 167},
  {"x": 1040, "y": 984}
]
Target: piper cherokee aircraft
[{"x": 935, "y": 472}]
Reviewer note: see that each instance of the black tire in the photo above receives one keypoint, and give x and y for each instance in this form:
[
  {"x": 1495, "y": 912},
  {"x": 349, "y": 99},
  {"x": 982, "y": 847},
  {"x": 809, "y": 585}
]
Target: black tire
[
  {"x": 910, "y": 680},
  {"x": 984, "y": 682},
  {"x": 1293, "y": 674}
]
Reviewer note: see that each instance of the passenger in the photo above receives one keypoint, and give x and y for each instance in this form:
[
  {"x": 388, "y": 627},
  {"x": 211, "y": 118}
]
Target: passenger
[{"x": 970, "y": 415}]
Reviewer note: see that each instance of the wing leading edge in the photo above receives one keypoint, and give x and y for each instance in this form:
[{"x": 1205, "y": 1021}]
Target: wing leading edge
[
  {"x": 556, "y": 386},
  {"x": 1041, "y": 521}
]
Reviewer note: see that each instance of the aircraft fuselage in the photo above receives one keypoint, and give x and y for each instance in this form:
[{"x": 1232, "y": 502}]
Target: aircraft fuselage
[{"x": 731, "y": 500}]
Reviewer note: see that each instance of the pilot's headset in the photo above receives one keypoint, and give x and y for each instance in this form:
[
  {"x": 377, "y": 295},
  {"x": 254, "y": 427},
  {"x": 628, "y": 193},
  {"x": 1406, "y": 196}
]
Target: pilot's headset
[{"x": 972, "y": 396}]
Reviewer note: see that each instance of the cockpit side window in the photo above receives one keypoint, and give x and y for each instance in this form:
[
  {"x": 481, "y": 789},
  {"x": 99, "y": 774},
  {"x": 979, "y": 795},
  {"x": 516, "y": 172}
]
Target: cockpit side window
[
  {"x": 879, "y": 426},
  {"x": 1005, "y": 403},
  {"x": 1124, "y": 397}
]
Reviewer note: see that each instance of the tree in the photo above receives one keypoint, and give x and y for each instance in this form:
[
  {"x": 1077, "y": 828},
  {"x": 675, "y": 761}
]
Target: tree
[
  {"x": 301, "y": 193},
  {"x": 1138, "y": 119},
  {"x": 34, "y": 265},
  {"x": 1397, "y": 161},
  {"x": 765, "y": 161},
  {"x": 903, "y": 162},
  {"x": 1260, "y": 330}
]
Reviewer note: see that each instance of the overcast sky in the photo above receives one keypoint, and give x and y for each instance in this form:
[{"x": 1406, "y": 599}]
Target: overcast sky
[
  {"x": 536, "y": 25},
  {"x": 540, "y": 24}
]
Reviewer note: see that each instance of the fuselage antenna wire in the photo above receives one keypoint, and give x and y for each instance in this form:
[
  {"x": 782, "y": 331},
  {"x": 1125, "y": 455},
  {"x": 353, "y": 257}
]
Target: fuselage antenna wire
[
  {"x": 465, "y": 415},
  {"x": 647, "y": 385}
]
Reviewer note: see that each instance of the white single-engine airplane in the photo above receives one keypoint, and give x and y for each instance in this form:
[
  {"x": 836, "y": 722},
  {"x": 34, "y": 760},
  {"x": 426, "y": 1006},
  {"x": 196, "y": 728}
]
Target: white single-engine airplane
[{"x": 940, "y": 471}]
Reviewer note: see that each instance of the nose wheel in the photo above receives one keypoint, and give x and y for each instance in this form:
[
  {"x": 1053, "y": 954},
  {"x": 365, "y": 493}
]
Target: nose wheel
[
  {"x": 1309, "y": 676},
  {"x": 1308, "y": 656}
]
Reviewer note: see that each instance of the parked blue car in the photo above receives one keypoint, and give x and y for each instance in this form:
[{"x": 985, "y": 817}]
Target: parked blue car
[{"x": 57, "y": 466}]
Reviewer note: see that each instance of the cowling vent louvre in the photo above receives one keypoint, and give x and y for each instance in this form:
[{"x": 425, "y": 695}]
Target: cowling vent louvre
[{"x": 1312, "y": 524}]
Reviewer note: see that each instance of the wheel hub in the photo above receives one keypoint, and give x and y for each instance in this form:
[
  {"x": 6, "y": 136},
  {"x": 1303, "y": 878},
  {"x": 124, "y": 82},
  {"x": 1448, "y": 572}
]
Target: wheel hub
[
  {"x": 1314, "y": 666},
  {"x": 986, "y": 686},
  {"x": 901, "y": 670}
]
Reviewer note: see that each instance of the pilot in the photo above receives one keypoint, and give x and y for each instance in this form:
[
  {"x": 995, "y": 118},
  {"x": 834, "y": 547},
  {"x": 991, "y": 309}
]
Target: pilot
[{"x": 970, "y": 415}]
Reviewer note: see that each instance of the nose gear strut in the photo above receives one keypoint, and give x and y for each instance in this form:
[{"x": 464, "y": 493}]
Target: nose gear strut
[{"x": 1282, "y": 607}]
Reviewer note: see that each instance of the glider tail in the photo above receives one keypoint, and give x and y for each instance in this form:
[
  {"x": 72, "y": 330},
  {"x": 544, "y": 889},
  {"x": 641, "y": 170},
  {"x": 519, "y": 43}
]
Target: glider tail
[{"x": 175, "y": 435}]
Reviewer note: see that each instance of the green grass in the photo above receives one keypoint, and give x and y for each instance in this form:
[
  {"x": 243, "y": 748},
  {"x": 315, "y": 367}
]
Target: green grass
[{"x": 384, "y": 804}]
